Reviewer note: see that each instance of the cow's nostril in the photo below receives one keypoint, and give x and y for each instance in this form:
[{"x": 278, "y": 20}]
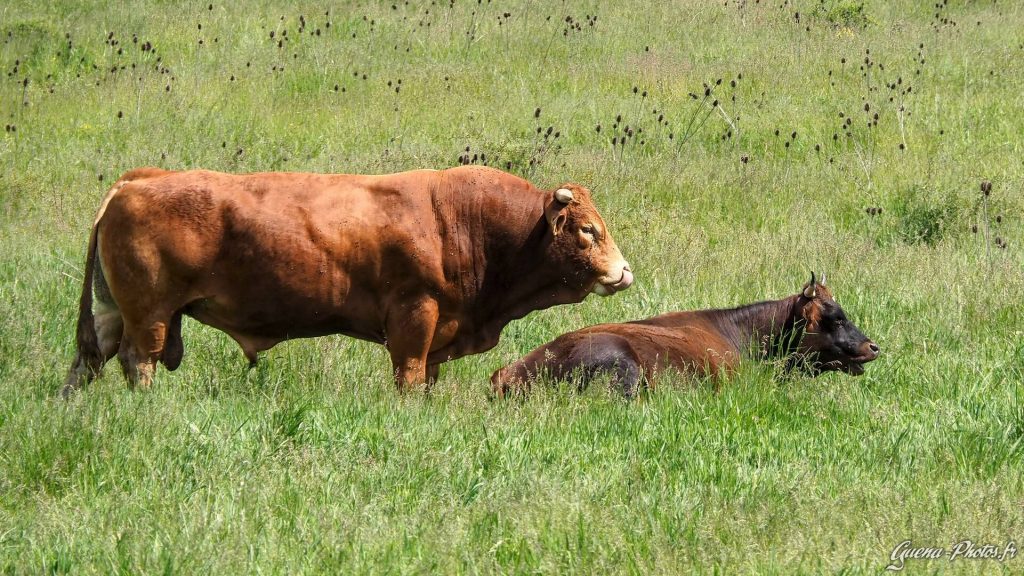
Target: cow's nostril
[
  {"x": 626, "y": 267},
  {"x": 874, "y": 348}
]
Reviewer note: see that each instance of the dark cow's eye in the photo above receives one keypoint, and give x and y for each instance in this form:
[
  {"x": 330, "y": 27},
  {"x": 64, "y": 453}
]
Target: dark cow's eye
[{"x": 588, "y": 229}]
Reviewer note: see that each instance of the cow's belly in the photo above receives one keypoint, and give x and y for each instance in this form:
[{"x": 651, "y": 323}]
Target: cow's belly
[{"x": 260, "y": 310}]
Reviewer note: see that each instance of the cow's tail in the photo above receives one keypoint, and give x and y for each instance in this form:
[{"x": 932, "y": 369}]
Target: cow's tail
[
  {"x": 89, "y": 358},
  {"x": 88, "y": 346}
]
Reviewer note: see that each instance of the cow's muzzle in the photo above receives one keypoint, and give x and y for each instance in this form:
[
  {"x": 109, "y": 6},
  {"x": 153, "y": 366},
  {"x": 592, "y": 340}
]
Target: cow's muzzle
[
  {"x": 608, "y": 287},
  {"x": 855, "y": 366}
]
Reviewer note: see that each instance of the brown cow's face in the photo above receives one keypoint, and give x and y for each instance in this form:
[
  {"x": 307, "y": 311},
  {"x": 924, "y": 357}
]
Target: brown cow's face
[
  {"x": 831, "y": 341},
  {"x": 582, "y": 244}
]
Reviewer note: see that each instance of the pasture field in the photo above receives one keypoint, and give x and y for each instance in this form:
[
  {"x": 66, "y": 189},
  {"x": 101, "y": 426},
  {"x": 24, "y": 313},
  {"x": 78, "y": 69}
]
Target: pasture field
[{"x": 762, "y": 140}]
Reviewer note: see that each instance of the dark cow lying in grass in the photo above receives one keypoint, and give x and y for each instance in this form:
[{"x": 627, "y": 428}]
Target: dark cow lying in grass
[{"x": 808, "y": 329}]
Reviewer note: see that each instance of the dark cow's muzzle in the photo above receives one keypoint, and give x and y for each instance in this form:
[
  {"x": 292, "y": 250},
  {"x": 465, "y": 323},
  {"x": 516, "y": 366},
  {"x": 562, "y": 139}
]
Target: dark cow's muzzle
[{"x": 855, "y": 364}]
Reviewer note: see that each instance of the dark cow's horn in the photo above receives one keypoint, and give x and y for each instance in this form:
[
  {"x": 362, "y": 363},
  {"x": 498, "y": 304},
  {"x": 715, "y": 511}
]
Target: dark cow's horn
[
  {"x": 811, "y": 290},
  {"x": 563, "y": 195}
]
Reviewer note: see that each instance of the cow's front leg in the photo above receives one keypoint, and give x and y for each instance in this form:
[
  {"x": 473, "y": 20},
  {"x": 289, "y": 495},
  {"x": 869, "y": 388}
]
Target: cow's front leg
[
  {"x": 410, "y": 330},
  {"x": 433, "y": 373}
]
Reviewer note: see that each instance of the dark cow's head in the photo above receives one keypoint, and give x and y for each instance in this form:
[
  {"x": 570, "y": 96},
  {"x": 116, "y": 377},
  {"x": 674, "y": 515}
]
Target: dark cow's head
[
  {"x": 581, "y": 240},
  {"x": 830, "y": 340}
]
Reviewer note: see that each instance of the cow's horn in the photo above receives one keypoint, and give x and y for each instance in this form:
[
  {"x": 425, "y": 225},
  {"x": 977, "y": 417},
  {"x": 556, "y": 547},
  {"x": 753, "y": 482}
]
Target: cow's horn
[
  {"x": 811, "y": 291},
  {"x": 563, "y": 195},
  {"x": 822, "y": 279}
]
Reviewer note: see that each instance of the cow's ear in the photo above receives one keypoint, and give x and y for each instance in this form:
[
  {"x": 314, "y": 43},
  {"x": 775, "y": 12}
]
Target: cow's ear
[
  {"x": 811, "y": 288},
  {"x": 556, "y": 211}
]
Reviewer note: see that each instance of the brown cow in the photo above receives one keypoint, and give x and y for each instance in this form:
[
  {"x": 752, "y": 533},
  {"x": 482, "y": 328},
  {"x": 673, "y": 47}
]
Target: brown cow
[
  {"x": 808, "y": 329},
  {"x": 432, "y": 264}
]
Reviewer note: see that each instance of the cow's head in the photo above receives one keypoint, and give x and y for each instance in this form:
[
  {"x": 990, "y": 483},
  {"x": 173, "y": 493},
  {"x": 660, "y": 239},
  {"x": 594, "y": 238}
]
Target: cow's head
[
  {"x": 581, "y": 241},
  {"x": 830, "y": 341}
]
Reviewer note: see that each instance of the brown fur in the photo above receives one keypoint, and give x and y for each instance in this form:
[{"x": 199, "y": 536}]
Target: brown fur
[{"x": 432, "y": 264}]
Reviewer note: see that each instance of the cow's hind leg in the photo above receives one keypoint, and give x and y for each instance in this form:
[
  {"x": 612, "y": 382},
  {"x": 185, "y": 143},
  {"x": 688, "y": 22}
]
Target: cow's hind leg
[
  {"x": 109, "y": 326},
  {"x": 142, "y": 345},
  {"x": 607, "y": 354}
]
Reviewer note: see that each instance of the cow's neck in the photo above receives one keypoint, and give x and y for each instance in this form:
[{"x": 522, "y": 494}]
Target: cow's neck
[
  {"x": 520, "y": 277},
  {"x": 770, "y": 329},
  {"x": 514, "y": 277}
]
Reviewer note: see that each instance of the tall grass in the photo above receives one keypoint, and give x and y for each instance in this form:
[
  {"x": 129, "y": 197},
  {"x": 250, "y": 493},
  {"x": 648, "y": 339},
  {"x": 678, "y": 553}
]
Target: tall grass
[{"x": 312, "y": 463}]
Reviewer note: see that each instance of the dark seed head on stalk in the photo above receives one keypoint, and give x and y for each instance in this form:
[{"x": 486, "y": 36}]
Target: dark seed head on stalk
[
  {"x": 986, "y": 187},
  {"x": 536, "y": 113}
]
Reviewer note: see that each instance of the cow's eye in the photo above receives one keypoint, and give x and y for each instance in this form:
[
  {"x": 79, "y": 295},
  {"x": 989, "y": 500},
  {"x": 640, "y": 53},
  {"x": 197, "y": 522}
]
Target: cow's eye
[{"x": 588, "y": 229}]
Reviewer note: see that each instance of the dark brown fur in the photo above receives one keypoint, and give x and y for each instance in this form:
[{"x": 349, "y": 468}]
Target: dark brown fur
[{"x": 808, "y": 328}]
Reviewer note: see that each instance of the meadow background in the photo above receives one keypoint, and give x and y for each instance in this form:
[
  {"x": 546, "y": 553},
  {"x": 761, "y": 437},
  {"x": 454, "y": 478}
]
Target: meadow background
[{"x": 732, "y": 147}]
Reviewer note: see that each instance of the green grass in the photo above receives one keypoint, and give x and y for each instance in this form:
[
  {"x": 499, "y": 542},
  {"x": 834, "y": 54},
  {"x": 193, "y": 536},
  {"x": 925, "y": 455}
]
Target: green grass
[{"x": 314, "y": 464}]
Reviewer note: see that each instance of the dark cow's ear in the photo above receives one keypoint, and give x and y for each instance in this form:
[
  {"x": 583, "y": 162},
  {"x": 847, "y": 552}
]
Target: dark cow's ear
[{"x": 556, "y": 210}]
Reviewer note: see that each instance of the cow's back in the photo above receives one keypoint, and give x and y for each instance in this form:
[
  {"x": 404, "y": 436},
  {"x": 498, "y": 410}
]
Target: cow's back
[
  {"x": 272, "y": 255},
  {"x": 692, "y": 347}
]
